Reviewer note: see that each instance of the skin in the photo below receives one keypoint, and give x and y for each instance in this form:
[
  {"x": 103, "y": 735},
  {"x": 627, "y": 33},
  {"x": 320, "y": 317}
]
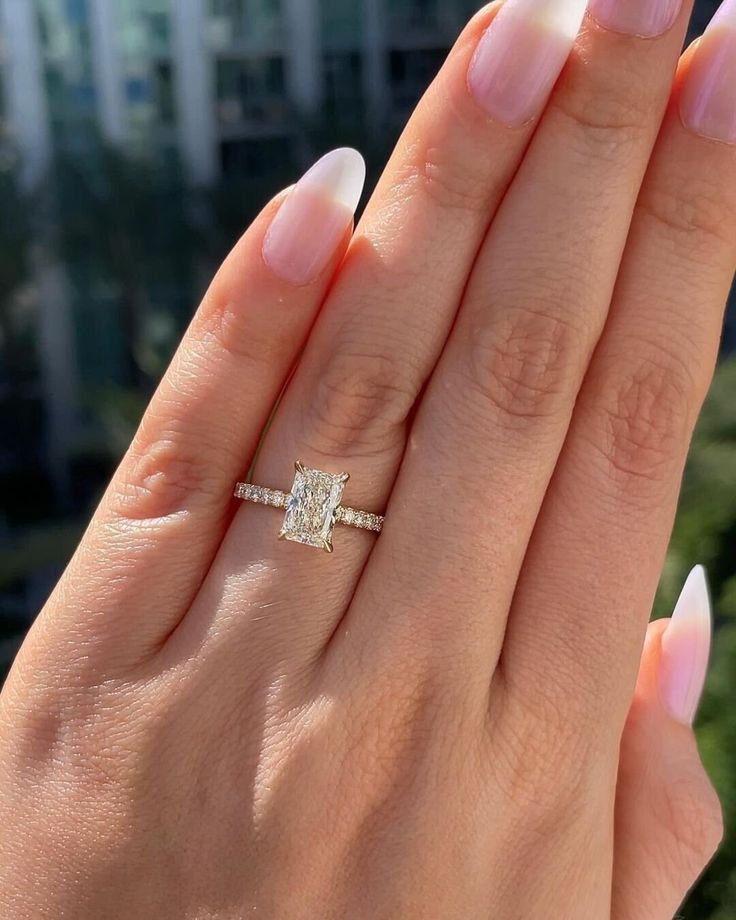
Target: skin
[{"x": 206, "y": 723}]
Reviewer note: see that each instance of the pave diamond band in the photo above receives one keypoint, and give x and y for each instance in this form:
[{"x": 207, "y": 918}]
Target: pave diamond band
[
  {"x": 350, "y": 517},
  {"x": 250, "y": 493},
  {"x": 361, "y": 519},
  {"x": 313, "y": 507}
]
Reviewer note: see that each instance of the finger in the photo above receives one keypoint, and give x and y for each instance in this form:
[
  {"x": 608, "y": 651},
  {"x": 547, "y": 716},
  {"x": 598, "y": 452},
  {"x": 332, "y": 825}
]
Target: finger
[
  {"x": 497, "y": 410},
  {"x": 668, "y": 818},
  {"x": 601, "y": 537},
  {"x": 167, "y": 507},
  {"x": 389, "y": 314}
]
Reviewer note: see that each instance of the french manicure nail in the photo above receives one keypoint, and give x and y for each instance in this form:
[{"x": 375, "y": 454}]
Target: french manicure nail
[
  {"x": 306, "y": 231},
  {"x": 708, "y": 97},
  {"x": 520, "y": 56},
  {"x": 644, "y": 18},
  {"x": 686, "y": 648}
]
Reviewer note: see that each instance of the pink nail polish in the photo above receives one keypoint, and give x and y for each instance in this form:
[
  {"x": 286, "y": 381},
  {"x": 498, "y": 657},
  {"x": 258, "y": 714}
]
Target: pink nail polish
[
  {"x": 645, "y": 18},
  {"x": 708, "y": 97},
  {"x": 685, "y": 652},
  {"x": 521, "y": 55},
  {"x": 310, "y": 224}
]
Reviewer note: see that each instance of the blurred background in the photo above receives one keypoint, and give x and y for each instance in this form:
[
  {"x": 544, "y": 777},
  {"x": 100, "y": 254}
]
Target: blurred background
[{"x": 137, "y": 140}]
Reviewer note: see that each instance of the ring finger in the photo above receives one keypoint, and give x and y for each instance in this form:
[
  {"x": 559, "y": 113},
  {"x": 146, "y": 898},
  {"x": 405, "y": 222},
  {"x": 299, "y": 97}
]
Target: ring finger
[
  {"x": 168, "y": 505},
  {"x": 389, "y": 314}
]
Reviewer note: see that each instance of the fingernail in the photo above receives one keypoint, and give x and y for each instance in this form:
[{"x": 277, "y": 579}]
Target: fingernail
[
  {"x": 312, "y": 221},
  {"x": 521, "y": 55},
  {"x": 708, "y": 97},
  {"x": 685, "y": 651},
  {"x": 645, "y": 18}
]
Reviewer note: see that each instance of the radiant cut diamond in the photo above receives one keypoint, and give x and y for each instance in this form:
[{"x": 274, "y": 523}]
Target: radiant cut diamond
[{"x": 311, "y": 508}]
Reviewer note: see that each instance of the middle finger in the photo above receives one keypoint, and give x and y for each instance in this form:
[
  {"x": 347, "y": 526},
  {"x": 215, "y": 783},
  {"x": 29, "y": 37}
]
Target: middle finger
[{"x": 497, "y": 410}]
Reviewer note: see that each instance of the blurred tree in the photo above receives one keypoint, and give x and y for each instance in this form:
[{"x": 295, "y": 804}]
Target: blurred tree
[
  {"x": 20, "y": 404},
  {"x": 15, "y": 234},
  {"x": 17, "y": 363},
  {"x": 15, "y": 237},
  {"x": 705, "y": 531},
  {"x": 129, "y": 226}
]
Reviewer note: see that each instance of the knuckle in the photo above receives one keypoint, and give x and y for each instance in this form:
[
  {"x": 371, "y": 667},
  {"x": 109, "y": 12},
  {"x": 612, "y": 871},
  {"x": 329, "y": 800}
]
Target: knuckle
[
  {"x": 65, "y": 731},
  {"x": 229, "y": 330},
  {"x": 523, "y": 364},
  {"x": 695, "y": 818},
  {"x": 604, "y": 120},
  {"x": 544, "y": 762},
  {"x": 160, "y": 475},
  {"x": 31, "y": 721},
  {"x": 448, "y": 185},
  {"x": 408, "y": 721},
  {"x": 361, "y": 405},
  {"x": 691, "y": 211},
  {"x": 645, "y": 413}
]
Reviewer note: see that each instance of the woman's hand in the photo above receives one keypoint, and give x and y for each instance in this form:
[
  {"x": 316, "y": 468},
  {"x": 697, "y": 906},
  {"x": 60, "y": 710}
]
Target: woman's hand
[{"x": 509, "y": 357}]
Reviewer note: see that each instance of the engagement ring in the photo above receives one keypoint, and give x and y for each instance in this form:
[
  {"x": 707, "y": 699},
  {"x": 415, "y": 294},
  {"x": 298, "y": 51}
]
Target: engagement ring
[{"x": 312, "y": 507}]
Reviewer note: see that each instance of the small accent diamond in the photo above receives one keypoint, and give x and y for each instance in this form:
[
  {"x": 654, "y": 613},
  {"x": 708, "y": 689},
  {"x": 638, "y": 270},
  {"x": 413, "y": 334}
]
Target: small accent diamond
[
  {"x": 262, "y": 496},
  {"x": 362, "y": 519}
]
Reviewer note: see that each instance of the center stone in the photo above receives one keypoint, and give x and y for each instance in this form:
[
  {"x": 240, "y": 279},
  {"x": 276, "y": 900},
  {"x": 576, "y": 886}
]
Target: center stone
[{"x": 311, "y": 507}]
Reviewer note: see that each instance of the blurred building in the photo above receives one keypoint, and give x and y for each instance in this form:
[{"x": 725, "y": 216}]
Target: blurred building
[
  {"x": 223, "y": 84},
  {"x": 222, "y": 88}
]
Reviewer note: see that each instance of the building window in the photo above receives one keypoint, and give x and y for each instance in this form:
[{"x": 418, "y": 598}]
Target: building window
[
  {"x": 343, "y": 84},
  {"x": 3, "y": 111},
  {"x": 137, "y": 90},
  {"x": 164, "y": 91},
  {"x": 341, "y": 24},
  {"x": 66, "y": 46},
  {"x": 412, "y": 20},
  {"x": 234, "y": 22},
  {"x": 145, "y": 28},
  {"x": 76, "y": 11},
  {"x": 413, "y": 13},
  {"x": 251, "y": 90},
  {"x": 257, "y": 157},
  {"x": 159, "y": 29}
]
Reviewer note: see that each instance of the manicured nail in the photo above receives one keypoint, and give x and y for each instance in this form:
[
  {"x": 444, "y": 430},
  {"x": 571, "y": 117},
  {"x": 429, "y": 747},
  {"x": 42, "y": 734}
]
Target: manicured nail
[
  {"x": 708, "y": 97},
  {"x": 683, "y": 663},
  {"x": 645, "y": 18},
  {"x": 521, "y": 55},
  {"x": 312, "y": 221}
]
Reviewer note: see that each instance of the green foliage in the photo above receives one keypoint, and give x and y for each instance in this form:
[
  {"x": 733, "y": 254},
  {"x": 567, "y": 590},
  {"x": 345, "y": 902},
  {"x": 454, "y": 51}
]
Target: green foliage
[{"x": 705, "y": 532}]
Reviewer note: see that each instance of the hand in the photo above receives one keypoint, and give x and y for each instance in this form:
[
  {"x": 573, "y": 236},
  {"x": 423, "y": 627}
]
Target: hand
[{"x": 509, "y": 357}]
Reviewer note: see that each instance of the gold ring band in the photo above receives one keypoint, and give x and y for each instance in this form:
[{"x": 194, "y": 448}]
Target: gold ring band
[{"x": 313, "y": 507}]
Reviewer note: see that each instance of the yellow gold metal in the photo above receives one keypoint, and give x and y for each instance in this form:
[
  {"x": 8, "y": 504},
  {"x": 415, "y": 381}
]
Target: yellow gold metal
[{"x": 313, "y": 507}]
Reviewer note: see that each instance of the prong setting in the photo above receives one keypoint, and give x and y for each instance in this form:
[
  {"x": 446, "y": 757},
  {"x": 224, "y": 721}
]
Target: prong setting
[
  {"x": 311, "y": 510},
  {"x": 313, "y": 507}
]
